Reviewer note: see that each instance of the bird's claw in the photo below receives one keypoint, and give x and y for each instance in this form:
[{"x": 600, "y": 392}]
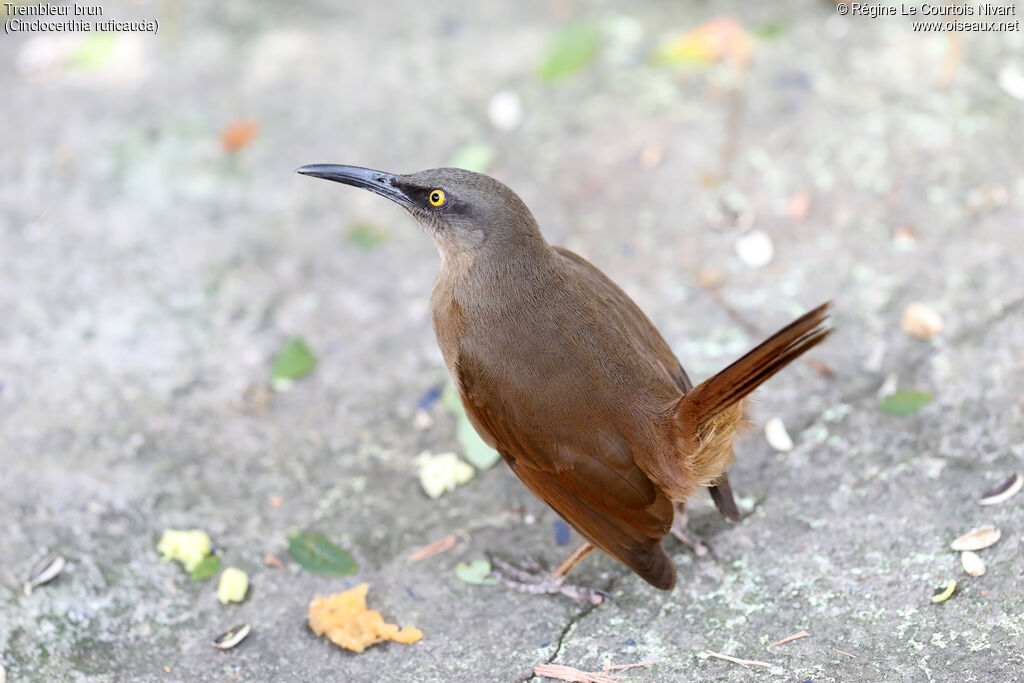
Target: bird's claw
[
  {"x": 681, "y": 531},
  {"x": 533, "y": 578}
]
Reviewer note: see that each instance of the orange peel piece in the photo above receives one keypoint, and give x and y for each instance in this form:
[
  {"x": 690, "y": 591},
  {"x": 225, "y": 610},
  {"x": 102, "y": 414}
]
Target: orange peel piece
[{"x": 345, "y": 620}]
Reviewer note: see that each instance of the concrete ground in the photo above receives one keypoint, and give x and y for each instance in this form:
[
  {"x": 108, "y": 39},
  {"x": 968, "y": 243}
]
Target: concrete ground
[{"x": 149, "y": 277}]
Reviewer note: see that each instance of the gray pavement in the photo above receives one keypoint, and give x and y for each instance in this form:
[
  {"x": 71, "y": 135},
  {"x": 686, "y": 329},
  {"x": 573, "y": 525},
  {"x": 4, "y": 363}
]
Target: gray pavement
[{"x": 149, "y": 277}]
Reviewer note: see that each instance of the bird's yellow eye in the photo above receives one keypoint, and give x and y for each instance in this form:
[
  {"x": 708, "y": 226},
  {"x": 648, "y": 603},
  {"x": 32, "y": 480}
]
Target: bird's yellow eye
[{"x": 437, "y": 197}]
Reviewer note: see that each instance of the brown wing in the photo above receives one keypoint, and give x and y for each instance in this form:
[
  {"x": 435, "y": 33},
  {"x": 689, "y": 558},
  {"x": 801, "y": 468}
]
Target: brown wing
[
  {"x": 623, "y": 311},
  {"x": 586, "y": 473},
  {"x": 621, "y": 308}
]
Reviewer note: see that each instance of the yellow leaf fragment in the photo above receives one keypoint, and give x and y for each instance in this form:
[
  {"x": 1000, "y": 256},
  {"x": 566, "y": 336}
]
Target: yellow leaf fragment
[
  {"x": 716, "y": 40},
  {"x": 945, "y": 593},
  {"x": 188, "y": 547},
  {"x": 345, "y": 620},
  {"x": 440, "y": 473},
  {"x": 233, "y": 585}
]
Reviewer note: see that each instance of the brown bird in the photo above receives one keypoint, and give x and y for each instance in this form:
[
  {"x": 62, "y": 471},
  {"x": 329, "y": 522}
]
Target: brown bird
[{"x": 567, "y": 378}]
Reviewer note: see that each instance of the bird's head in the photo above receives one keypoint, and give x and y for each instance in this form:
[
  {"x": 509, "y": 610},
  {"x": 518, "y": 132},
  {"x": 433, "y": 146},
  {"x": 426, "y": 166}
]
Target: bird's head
[{"x": 466, "y": 213}]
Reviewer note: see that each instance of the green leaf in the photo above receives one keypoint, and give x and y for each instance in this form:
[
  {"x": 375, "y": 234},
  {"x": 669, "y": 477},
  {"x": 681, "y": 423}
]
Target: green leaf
[
  {"x": 905, "y": 402},
  {"x": 206, "y": 568},
  {"x": 572, "y": 48},
  {"x": 366, "y": 236},
  {"x": 450, "y": 400},
  {"x": 95, "y": 50},
  {"x": 474, "y": 449},
  {"x": 294, "y": 361},
  {"x": 769, "y": 30},
  {"x": 476, "y": 573},
  {"x": 477, "y": 157},
  {"x": 320, "y": 556}
]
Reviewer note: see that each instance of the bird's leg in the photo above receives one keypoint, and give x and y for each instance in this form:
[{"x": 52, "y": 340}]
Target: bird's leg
[
  {"x": 532, "y": 578},
  {"x": 680, "y": 531}
]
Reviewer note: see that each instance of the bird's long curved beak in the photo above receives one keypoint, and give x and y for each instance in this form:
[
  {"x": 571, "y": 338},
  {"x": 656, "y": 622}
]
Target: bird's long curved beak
[{"x": 366, "y": 178}]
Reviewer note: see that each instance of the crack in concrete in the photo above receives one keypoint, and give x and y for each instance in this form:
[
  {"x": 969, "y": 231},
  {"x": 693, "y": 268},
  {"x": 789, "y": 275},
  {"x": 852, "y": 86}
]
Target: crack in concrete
[
  {"x": 569, "y": 628},
  {"x": 970, "y": 333}
]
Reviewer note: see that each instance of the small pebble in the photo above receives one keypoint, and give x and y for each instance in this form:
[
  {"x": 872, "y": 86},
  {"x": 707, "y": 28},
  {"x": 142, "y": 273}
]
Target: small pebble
[
  {"x": 505, "y": 110},
  {"x": 422, "y": 420},
  {"x": 777, "y": 436},
  {"x": 233, "y": 637},
  {"x": 755, "y": 249},
  {"x": 972, "y": 563},
  {"x": 978, "y": 539},
  {"x": 651, "y": 155},
  {"x": 921, "y": 321},
  {"x": 904, "y": 237},
  {"x": 1011, "y": 80},
  {"x": 709, "y": 278},
  {"x": 44, "y": 571},
  {"x": 1002, "y": 491}
]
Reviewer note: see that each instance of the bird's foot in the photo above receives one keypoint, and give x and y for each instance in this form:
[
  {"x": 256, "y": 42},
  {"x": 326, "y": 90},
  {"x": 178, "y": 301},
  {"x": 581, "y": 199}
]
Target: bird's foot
[
  {"x": 683, "y": 533},
  {"x": 533, "y": 578}
]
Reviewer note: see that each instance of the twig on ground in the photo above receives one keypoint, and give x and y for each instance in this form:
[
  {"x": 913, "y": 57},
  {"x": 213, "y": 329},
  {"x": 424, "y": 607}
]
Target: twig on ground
[
  {"x": 623, "y": 667},
  {"x": 736, "y": 660},
  {"x": 787, "y": 639},
  {"x": 845, "y": 653},
  {"x": 567, "y": 673},
  {"x": 435, "y": 548}
]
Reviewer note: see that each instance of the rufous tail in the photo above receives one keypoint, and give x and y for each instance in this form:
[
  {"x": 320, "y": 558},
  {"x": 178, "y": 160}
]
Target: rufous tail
[{"x": 708, "y": 416}]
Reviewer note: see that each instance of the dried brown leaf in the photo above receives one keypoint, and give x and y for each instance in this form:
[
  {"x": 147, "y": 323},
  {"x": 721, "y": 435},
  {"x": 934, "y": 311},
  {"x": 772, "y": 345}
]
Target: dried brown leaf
[{"x": 238, "y": 135}]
